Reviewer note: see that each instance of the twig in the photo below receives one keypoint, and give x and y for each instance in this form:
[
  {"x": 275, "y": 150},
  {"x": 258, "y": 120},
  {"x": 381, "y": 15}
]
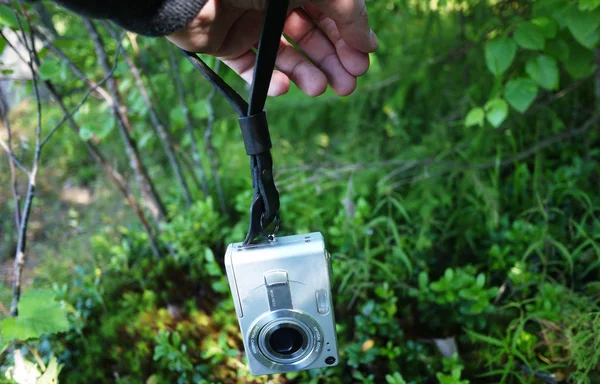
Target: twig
[
  {"x": 152, "y": 198},
  {"x": 199, "y": 168},
  {"x": 504, "y": 162},
  {"x": 210, "y": 150},
  {"x": 22, "y": 236},
  {"x": 159, "y": 128},
  {"x": 112, "y": 174},
  {"x": 11, "y": 161},
  {"x": 110, "y": 171},
  {"x": 80, "y": 75},
  {"x": 13, "y": 47},
  {"x": 4, "y": 310},
  {"x": 36, "y": 355},
  {"x": 11, "y": 156},
  {"x": 93, "y": 88}
]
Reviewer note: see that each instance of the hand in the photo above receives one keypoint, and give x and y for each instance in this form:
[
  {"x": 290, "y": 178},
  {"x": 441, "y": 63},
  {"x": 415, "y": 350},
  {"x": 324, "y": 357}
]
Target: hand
[{"x": 334, "y": 34}]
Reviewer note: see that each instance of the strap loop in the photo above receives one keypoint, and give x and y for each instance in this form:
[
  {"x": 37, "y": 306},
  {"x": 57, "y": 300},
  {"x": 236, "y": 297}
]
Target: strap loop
[
  {"x": 255, "y": 131},
  {"x": 253, "y": 120}
]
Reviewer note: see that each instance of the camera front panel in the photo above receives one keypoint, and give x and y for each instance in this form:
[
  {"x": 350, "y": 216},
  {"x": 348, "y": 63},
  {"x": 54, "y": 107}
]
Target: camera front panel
[{"x": 282, "y": 296}]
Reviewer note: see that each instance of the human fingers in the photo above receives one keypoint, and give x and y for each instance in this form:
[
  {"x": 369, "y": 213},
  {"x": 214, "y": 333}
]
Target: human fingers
[
  {"x": 203, "y": 34},
  {"x": 305, "y": 75},
  {"x": 243, "y": 65},
  {"x": 319, "y": 49},
  {"x": 355, "y": 61},
  {"x": 352, "y": 21}
]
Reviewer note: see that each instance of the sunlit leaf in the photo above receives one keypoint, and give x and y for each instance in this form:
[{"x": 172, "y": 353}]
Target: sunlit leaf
[
  {"x": 49, "y": 69},
  {"x": 50, "y": 375},
  {"x": 85, "y": 133},
  {"x": 546, "y": 26},
  {"x": 544, "y": 71},
  {"x": 8, "y": 18},
  {"x": 588, "y": 5},
  {"x": 496, "y": 111},
  {"x": 475, "y": 116},
  {"x": 499, "y": 55},
  {"x": 528, "y": 36},
  {"x": 39, "y": 314},
  {"x": 520, "y": 93}
]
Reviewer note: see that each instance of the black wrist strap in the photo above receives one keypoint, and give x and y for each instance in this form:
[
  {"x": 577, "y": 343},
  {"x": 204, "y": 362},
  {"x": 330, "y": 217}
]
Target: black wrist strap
[{"x": 253, "y": 119}]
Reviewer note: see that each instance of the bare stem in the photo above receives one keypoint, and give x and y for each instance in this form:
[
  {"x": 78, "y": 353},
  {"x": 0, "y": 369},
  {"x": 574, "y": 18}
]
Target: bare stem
[
  {"x": 210, "y": 150},
  {"x": 11, "y": 161},
  {"x": 152, "y": 198},
  {"x": 111, "y": 172},
  {"x": 159, "y": 128},
  {"x": 199, "y": 168},
  {"x": 94, "y": 87},
  {"x": 24, "y": 221}
]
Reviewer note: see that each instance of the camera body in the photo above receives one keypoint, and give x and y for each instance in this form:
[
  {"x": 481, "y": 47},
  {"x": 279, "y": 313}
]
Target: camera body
[{"x": 282, "y": 295}]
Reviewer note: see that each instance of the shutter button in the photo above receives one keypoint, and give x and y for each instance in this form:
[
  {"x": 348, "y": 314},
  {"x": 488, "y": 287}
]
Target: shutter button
[{"x": 322, "y": 302}]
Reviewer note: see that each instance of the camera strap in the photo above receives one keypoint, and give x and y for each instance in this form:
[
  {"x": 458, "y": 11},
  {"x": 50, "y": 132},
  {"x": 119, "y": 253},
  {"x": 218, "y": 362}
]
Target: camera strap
[{"x": 253, "y": 123}]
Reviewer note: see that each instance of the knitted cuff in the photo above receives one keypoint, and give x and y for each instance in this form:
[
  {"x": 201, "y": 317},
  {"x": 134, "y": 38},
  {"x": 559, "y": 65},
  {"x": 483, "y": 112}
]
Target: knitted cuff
[{"x": 169, "y": 17}]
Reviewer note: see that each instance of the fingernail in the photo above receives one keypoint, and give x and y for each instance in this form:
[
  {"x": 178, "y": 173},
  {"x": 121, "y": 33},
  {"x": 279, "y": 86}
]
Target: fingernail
[{"x": 374, "y": 40}]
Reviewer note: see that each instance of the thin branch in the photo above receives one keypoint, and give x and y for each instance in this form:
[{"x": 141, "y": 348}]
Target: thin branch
[
  {"x": 80, "y": 75},
  {"x": 199, "y": 168},
  {"x": 159, "y": 128},
  {"x": 11, "y": 160},
  {"x": 510, "y": 160},
  {"x": 94, "y": 87},
  {"x": 22, "y": 236},
  {"x": 11, "y": 156},
  {"x": 36, "y": 355},
  {"x": 152, "y": 198},
  {"x": 13, "y": 47},
  {"x": 112, "y": 173},
  {"x": 210, "y": 150}
]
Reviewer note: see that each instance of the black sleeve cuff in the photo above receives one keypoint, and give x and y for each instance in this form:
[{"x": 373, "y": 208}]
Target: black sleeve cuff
[
  {"x": 169, "y": 17},
  {"x": 145, "y": 17}
]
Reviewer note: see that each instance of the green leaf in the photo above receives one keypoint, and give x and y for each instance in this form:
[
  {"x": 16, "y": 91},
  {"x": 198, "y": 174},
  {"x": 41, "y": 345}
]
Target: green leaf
[
  {"x": 520, "y": 93},
  {"x": 528, "y": 36},
  {"x": 106, "y": 127},
  {"x": 49, "y": 69},
  {"x": 8, "y": 18},
  {"x": 200, "y": 110},
  {"x": 39, "y": 314},
  {"x": 584, "y": 26},
  {"x": 496, "y": 111},
  {"x": 559, "y": 49},
  {"x": 546, "y": 26},
  {"x": 177, "y": 117},
  {"x": 580, "y": 63},
  {"x": 588, "y": 5},
  {"x": 85, "y": 133},
  {"x": 499, "y": 55},
  {"x": 475, "y": 117},
  {"x": 544, "y": 71},
  {"x": 485, "y": 339}
]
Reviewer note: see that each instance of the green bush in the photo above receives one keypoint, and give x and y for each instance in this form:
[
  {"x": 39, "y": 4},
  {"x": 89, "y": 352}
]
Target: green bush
[{"x": 457, "y": 191}]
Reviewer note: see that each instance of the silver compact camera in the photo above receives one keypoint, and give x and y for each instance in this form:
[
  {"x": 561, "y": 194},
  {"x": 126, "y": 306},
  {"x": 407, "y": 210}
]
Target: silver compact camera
[{"x": 282, "y": 295}]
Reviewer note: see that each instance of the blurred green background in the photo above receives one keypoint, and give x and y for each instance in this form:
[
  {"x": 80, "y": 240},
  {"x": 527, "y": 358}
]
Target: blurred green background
[{"x": 457, "y": 188}]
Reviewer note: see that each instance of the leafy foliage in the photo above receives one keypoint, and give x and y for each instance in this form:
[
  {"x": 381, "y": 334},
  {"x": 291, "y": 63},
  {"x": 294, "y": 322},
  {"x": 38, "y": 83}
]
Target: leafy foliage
[
  {"x": 39, "y": 315},
  {"x": 457, "y": 191}
]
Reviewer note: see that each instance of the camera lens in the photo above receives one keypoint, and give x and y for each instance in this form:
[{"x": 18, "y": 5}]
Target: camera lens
[{"x": 286, "y": 340}]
